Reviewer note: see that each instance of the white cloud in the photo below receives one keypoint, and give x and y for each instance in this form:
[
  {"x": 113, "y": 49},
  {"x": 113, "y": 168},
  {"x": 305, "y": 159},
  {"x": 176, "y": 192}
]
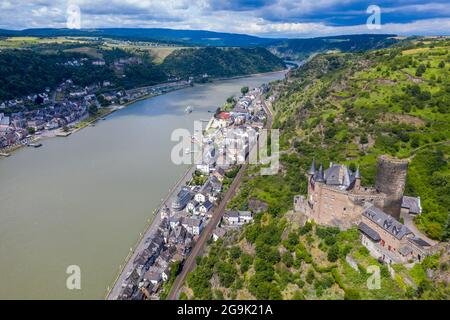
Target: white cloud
[
  {"x": 187, "y": 14},
  {"x": 420, "y": 27}
]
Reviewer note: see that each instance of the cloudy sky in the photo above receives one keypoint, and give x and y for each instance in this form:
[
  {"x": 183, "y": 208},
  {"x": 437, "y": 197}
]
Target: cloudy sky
[{"x": 272, "y": 18}]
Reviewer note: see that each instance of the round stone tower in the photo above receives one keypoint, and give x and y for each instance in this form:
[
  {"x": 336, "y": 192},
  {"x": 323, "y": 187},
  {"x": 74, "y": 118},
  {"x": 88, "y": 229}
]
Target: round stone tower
[{"x": 391, "y": 180}]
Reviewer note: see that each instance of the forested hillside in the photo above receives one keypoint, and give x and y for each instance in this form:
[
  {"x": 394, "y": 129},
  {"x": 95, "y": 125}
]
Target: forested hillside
[
  {"x": 26, "y": 71},
  {"x": 345, "y": 108},
  {"x": 219, "y": 62},
  {"x": 298, "y": 49},
  {"x": 353, "y": 107}
]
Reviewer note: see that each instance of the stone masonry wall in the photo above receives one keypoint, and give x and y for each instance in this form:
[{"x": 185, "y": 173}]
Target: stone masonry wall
[{"x": 391, "y": 180}]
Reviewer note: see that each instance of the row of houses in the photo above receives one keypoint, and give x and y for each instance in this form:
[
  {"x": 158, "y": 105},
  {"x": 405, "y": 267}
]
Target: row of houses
[
  {"x": 33, "y": 114},
  {"x": 179, "y": 228},
  {"x": 183, "y": 222},
  {"x": 65, "y": 105},
  {"x": 151, "y": 267},
  {"x": 18, "y": 126},
  {"x": 235, "y": 132}
]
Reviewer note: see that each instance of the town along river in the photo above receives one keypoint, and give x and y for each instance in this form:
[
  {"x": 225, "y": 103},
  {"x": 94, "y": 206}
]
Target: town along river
[{"x": 84, "y": 199}]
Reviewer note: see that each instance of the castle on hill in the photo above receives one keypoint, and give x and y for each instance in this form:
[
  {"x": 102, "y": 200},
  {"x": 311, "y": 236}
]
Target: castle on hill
[{"x": 337, "y": 198}]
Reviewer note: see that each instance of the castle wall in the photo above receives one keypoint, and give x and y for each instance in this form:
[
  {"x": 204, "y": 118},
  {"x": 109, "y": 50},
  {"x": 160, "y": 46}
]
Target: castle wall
[
  {"x": 332, "y": 207},
  {"x": 391, "y": 180}
]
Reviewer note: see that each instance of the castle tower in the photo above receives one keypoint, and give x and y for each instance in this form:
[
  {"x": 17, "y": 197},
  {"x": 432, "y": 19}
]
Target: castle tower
[
  {"x": 320, "y": 177},
  {"x": 391, "y": 180}
]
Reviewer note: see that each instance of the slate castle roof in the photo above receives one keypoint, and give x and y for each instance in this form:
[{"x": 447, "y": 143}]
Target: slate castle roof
[
  {"x": 412, "y": 204},
  {"x": 386, "y": 222},
  {"x": 336, "y": 175},
  {"x": 368, "y": 231}
]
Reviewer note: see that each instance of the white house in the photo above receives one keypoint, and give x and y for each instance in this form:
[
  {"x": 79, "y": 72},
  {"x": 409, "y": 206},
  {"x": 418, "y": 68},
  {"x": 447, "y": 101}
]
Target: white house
[
  {"x": 192, "y": 206},
  {"x": 245, "y": 216},
  {"x": 204, "y": 168},
  {"x": 238, "y": 217},
  {"x": 153, "y": 276},
  {"x": 165, "y": 213},
  {"x": 231, "y": 217},
  {"x": 200, "y": 197},
  {"x": 174, "y": 221},
  {"x": 204, "y": 207}
]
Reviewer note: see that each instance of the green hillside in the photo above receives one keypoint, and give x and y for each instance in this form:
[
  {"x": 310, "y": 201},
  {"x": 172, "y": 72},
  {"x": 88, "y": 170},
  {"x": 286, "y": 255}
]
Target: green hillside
[
  {"x": 351, "y": 108},
  {"x": 28, "y": 70},
  {"x": 345, "y": 108},
  {"x": 298, "y": 49},
  {"x": 219, "y": 62}
]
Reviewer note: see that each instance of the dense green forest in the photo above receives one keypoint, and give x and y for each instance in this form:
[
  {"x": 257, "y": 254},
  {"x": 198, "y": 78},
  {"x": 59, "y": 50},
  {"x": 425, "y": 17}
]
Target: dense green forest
[
  {"x": 302, "y": 48},
  {"x": 345, "y": 108},
  {"x": 217, "y": 62},
  {"x": 24, "y": 72},
  {"x": 30, "y": 71}
]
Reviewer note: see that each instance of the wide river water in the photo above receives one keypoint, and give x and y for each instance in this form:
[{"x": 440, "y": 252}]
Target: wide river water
[{"x": 84, "y": 199}]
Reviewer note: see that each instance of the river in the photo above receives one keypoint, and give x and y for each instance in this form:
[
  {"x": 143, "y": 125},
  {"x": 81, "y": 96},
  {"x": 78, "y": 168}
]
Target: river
[{"x": 84, "y": 199}]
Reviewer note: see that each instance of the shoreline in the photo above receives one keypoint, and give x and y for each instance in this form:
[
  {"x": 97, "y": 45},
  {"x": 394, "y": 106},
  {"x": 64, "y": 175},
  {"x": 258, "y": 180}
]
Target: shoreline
[
  {"x": 152, "y": 225},
  {"x": 113, "y": 291},
  {"x": 248, "y": 75},
  {"x": 58, "y": 133}
]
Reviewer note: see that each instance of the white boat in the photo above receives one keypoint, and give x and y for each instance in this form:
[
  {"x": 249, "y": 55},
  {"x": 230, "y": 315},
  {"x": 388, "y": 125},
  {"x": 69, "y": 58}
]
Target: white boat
[{"x": 188, "y": 109}]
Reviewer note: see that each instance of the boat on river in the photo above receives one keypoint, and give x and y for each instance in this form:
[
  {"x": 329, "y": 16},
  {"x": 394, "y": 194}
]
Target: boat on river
[{"x": 35, "y": 145}]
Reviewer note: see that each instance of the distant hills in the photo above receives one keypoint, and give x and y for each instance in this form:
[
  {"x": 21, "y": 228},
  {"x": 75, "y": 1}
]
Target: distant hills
[
  {"x": 295, "y": 48},
  {"x": 31, "y": 71},
  {"x": 302, "y": 48},
  {"x": 185, "y": 37}
]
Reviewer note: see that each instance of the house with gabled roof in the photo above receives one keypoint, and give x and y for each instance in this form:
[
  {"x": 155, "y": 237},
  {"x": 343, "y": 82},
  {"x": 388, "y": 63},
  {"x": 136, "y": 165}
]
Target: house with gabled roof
[
  {"x": 237, "y": 217},
  {"x": 201, "y": 197},
  {"x": 411, "y": 205},
  {"x": 192, "y": 206},
  {"x": 218, "y": 233},
  {"x": 182, "y": 199},
  {"x": 204, "y": 208},
  {"x": 193, "y": 225},
  {"x": 219, "y": 173}
]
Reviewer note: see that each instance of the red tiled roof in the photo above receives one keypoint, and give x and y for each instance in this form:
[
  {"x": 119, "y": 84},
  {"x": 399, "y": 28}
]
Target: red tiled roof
[{"x": 224, "y": 115}]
